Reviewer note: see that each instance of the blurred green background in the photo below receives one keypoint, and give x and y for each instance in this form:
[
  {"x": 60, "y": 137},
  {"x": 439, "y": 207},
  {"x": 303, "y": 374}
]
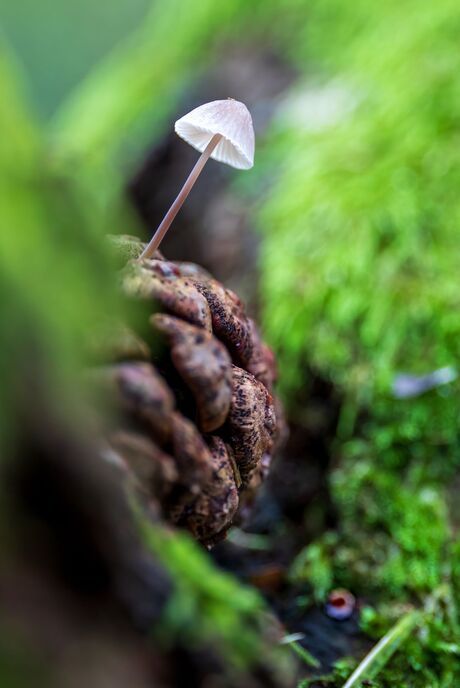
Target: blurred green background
[
  {"x": 58, "y": 43},
  {"x": 353, "y": 204}
]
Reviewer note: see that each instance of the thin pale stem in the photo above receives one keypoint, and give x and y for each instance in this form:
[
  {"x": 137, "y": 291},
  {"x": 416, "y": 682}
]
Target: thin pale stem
[{"x": 182, "y": 195}]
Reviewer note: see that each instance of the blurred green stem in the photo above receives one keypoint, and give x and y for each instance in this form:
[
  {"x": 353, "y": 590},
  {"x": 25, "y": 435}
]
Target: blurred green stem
[{"x": 385, "y": 648}]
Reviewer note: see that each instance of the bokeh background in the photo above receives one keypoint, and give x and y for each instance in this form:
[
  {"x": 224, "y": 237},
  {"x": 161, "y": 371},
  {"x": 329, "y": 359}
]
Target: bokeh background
[{"x": 344, "y": 241}]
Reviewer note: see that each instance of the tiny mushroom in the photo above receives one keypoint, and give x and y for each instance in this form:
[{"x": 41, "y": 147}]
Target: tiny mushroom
[
  {"x": 340, "y": 604},
  {"x": 221, "y": 130}
]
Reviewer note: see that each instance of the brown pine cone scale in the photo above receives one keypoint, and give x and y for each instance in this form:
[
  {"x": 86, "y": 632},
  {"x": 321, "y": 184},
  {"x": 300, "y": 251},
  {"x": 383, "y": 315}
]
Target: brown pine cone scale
[{"x": 205, "y": 366}]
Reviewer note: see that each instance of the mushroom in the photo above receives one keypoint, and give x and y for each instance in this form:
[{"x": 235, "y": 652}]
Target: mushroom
[{"x": 221, "y": 130}]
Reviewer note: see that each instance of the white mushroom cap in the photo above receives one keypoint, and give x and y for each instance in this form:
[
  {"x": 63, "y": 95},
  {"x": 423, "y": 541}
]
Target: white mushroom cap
[{"x": 232, "y": 120}]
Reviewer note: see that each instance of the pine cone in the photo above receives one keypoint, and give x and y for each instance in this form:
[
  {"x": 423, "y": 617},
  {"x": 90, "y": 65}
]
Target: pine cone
[{"x": 197, "y": 419}]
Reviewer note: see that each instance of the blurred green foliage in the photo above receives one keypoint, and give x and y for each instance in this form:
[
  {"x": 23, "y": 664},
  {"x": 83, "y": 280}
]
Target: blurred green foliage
[
  {"x": 359, "y": 261},
  {"x": 361, "y": 224},
  {"x": 232, "y": 618},
  {"x": 58, "y": 43},
  {"x": 52, "y": 262}
]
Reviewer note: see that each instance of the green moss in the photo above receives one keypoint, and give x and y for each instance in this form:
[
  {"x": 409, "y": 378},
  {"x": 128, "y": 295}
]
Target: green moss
[
  {"x": 211, "y": 608},
  {"x": 361, "y": 227},
  {"x": 359, "y": 267}
]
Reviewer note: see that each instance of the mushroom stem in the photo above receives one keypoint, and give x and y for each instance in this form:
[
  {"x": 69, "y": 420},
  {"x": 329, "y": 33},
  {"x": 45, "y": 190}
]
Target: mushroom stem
[{"x": 181, "y": 196}]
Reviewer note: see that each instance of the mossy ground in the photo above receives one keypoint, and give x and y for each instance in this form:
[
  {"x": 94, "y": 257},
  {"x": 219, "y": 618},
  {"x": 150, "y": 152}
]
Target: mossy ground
[{"x": 360, "y": 280}]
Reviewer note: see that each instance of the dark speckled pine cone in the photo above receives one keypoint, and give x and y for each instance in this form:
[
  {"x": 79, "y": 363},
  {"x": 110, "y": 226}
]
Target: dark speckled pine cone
[{"x": 197, "y": 420}]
